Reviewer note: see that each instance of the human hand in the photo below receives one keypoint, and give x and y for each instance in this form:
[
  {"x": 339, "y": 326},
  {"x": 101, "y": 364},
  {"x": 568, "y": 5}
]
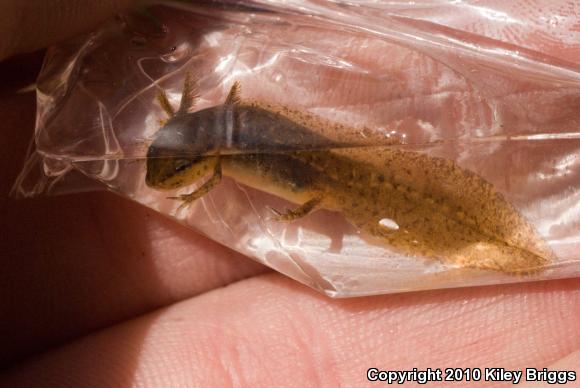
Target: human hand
[{"x": 126, "y": 296}]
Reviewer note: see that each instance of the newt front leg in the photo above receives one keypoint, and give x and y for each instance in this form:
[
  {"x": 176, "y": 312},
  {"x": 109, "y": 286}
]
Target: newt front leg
[{"x": 212, "y": 182}]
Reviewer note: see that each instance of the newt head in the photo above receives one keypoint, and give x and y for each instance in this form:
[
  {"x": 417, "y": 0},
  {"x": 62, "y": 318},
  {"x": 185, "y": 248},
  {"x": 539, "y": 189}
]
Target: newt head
[
  {"x": 171, "y": 161},
  {"x": 177, "y": 155},
  {"x": 171, "y": 173},
  {"x": 174, "y": 172}
]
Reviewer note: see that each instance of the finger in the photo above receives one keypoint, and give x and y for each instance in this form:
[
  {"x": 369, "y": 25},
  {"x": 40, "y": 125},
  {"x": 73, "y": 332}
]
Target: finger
[
  {"x": 270, "y": 331},
  {"x": 110, "y": 260},
  {"x": 73, "y": 264},
  {"x": 570, "y": 363},
  {"x": 29, "y": 25}
]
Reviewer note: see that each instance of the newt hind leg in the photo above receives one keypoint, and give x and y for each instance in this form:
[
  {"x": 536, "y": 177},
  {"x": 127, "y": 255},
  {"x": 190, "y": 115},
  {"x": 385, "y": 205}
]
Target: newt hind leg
[{"x": 299, "y": 212}]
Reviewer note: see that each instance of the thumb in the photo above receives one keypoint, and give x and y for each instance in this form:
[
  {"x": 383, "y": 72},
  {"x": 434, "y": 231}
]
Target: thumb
[{"x": 33, "y": 24}]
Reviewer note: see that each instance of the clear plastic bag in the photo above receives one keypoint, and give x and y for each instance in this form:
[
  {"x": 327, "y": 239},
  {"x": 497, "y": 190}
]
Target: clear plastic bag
[{"x": 416, "y": 148}]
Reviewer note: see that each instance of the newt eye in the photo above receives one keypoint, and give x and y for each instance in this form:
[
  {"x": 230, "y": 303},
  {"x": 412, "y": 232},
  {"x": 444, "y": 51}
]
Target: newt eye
[{"x": 182, "y": 165}]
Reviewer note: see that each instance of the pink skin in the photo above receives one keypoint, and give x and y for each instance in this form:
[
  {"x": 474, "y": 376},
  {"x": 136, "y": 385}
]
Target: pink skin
[{"x": 154, "y": 291}]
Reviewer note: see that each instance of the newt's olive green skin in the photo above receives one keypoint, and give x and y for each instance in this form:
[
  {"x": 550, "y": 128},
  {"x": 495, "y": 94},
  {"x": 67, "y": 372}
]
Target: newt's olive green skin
[{"x": 442, "y": 211}]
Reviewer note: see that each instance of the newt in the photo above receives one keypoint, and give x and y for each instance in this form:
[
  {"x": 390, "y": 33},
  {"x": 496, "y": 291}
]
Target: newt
[{"x": 418, "y": 204}]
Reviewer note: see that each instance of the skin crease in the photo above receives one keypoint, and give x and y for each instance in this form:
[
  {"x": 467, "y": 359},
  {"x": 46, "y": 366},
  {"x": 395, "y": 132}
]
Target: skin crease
[{"x": 155, "y": 292}]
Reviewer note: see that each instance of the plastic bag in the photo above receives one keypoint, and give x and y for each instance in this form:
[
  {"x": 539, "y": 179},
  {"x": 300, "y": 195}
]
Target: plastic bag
[{"x": 359, "y": 148}]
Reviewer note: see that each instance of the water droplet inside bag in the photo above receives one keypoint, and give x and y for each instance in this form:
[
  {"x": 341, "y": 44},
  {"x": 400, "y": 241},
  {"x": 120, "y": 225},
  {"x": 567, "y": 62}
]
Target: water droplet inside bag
[{"x": 389, "y": 224}]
